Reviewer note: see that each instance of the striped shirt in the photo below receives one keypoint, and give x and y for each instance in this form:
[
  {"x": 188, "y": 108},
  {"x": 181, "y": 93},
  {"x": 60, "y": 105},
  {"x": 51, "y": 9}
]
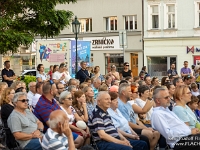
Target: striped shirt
[
  {"x": 101, "y": 120},
  {"x": 54, "y": 141},
  {"x": 43, "y": 109}
]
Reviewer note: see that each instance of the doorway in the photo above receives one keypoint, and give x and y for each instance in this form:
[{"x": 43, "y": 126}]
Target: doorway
[{"x": 134, "y": 64}]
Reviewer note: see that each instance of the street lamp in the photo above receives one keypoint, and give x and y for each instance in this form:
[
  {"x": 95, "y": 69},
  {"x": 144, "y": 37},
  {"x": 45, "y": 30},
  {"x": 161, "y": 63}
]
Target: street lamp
[{"x": 76, "y": 29}]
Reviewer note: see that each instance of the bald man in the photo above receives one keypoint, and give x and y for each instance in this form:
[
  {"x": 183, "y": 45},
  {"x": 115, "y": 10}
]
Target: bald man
[{"x": 59, "y": 135}]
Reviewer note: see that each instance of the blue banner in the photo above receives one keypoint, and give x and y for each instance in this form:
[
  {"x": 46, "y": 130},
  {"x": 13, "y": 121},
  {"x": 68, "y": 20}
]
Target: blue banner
[{"x": 83, "y": 51}]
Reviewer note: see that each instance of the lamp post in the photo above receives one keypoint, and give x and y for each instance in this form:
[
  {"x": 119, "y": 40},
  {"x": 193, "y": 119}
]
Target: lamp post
[{"x": 76, "y": 29}]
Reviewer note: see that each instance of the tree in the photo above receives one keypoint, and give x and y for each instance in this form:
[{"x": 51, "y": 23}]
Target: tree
[{"x": 22, "y": 20}]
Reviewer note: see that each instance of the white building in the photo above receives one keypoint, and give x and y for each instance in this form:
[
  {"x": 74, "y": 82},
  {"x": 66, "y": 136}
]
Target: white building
[
  {"x": 170, "y": 28},
  {"x": 102, "y": 20}
]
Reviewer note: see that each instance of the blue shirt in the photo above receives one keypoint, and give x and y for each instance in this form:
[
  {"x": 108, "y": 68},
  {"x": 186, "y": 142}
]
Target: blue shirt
[
  {"x": 119, "y": 120},
  {"x": 186, "y": 115},
  {"x": 96, "y": 91},
  {"x": 127, "y": 111},
  {"x": 169, "y": 125},
  {"x": 101, "y": 120}
]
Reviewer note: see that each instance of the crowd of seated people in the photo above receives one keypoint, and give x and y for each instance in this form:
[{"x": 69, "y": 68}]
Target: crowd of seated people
[{"x": 100, "y": 112}]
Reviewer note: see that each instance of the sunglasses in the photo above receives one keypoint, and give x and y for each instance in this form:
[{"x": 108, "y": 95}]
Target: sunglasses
[
  {"x": 127, "y": 65},
  {"x": 70, "y": 98},
  {"x": 23, "y": 100}
]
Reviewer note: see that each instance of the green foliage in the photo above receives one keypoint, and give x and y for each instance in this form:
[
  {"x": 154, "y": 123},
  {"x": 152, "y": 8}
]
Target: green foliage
[
  {"x": 22, "y": 20},
  {"x": 27, "y": 79}
]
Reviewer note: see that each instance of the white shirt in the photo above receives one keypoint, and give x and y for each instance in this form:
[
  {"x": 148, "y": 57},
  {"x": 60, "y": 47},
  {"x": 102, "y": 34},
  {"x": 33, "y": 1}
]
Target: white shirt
[
  {"x": 57, "y": 75},
  {"x": 195, "y": 93},
  {"x": 142, "y": 103},
  {"x": 169, "y": 125},
  {"x": 67, "y": 76},
  {"x": 30, "y": 97},
  {"x": 35, "y": 99},
  {"x": 70, "y": 116}
]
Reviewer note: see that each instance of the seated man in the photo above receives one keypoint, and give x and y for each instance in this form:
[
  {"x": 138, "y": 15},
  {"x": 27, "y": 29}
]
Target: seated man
[
  {"x": 177, "y": 134},
  {"x": 127, "y": 111},
  {"x": 26, "y": 128},
  {"x": 104, "y": 132},
  {"x": 59, "y": 135},
  {"x": 46, "y": 105}
]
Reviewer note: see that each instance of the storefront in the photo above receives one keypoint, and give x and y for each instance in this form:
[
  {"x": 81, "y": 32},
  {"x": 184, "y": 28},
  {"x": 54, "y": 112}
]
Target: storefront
[
  {"x": 105, "y": 52},
  {"x": 159, "y": 54}
]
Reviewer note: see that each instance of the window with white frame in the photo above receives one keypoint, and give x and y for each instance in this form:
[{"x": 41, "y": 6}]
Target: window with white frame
[
  {"x": 86, "y": 25},
  {"x": 155, "y": 16},
  {"x": 171, "y": 16},
  {"x": 111, "y": 23},
  {"x": 130, "y": 22}
]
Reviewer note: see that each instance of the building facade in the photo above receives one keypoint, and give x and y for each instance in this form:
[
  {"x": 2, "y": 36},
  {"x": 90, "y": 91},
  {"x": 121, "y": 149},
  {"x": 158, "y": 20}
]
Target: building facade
[
  {"x": 101, "y": 22},
  {"x": 171, "y": 34}
]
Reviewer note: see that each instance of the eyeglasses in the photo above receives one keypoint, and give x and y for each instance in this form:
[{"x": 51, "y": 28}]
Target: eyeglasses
[
  {"x": 69, "y": 98},
  {"x": 189, "y": 93},
  {"x": 127, "y": 65},
  {"x": 61, "y": 88},
  {"x": 23, "y": 100}
]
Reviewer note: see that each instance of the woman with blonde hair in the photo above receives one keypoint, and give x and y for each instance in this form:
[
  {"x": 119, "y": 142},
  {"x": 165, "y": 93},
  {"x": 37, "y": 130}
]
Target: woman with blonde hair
[
  {"x": 3, "y": 86},
  {"x": 6, "y": 109},
  {"x": 91, "y": 103},
  {"x": 15, "y": 85},
  {"x": 182, "y": 96},
  {"x": 97, "y": 73}
]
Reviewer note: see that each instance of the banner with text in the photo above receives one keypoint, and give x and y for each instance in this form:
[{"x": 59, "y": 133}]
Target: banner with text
[
  {"x": 52, "y": 52},
  {"x": 83, "y": 51}
]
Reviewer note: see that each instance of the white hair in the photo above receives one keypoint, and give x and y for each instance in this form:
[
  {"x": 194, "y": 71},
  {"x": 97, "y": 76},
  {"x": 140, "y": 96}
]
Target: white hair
[
  {"x": 63, "y": 95},
  {"x": 123, "y": 87},
  {"x": 17, "y": 95},
  {"x": 54, "y": 122},
  {"x": 96, "y": 80},
  {"x": 100, "y": 94},
  {"x": 29, "y": 85}
]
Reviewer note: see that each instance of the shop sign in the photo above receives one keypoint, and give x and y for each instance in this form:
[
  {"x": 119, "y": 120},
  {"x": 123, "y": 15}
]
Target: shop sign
[
  {"x": 104, "y": 43},
  {"x": 192, "y": 49}
]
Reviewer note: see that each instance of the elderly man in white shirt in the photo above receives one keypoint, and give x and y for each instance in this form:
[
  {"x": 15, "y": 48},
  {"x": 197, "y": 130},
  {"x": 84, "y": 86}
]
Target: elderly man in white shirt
[
  {"x": 31, "y": 92},
  {"x": 177, "y": 134}
]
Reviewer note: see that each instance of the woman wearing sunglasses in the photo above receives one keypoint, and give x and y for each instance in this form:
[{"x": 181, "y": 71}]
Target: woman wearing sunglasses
[
  {"x": 126, "y": 72},
  {"x": 65, "y": 100},
  {"x": 26, "y": 128},
  {"x": 182, "y": 96}
]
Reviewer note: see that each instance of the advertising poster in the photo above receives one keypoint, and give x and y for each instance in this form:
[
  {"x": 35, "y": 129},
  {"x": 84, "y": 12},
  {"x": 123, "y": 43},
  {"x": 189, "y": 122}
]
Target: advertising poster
[
  {"x": 196, "y": 60},
  {"x": 83, "y": 51},
  {"x": 52, "y": 53}
]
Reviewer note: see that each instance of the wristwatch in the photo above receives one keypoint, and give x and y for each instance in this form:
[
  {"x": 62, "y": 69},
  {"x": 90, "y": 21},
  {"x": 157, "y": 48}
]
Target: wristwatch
[{"x": 41, "y": 130}]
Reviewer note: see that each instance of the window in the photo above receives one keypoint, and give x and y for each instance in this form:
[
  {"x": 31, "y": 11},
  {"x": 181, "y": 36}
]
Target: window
[
  {"x": 155, "y": 17},
  {"x": 171, "y": 16},
  {"x": 158, "y": 66},
  {"x": 130, "y": 22},
  {"x": 86, "y": 25},
  {"x": 111, "y": 23}
]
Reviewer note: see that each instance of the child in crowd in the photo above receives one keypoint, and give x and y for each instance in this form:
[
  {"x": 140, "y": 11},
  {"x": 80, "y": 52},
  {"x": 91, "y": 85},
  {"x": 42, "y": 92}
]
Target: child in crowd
[
  {"x": 194, "y": 89},
  {"x": 193, "y": 104}
]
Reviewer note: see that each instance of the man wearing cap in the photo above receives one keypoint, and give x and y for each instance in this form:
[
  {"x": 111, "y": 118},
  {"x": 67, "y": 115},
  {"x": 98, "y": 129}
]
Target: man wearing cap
[{"x": 114, "y": 88}]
